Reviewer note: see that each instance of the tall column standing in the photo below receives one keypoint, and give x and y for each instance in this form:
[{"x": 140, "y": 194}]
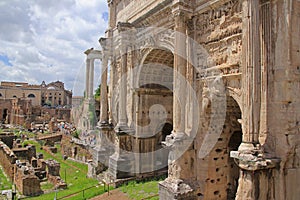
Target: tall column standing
[
  {"x": 252, "y": 71},
  {"x": 179, "y": 97},
  {"x": 122, "y": 121},
  {"x": 91, "y": 80},
  {"x": 109, "y": 34},
  {"x": 87, "y": 77},
  {"x": 103, "y": 92}
]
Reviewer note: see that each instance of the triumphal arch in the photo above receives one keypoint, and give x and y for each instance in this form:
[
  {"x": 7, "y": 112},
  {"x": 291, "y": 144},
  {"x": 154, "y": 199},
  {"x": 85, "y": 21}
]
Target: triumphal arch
[{"x": 207, "y": 90}]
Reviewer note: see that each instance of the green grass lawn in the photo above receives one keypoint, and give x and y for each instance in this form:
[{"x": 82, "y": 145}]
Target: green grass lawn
[
  {"x": 75, "y": 175},
  {"x": 5, "y": 184},
  {"x": 138, "y": 191}
]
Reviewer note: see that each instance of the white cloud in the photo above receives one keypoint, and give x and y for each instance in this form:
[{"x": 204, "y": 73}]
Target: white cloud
[{"x": 45, "y": 40}]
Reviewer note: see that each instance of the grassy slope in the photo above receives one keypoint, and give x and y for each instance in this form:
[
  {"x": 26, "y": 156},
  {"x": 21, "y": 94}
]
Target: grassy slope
[
  {"x": 138, "y": 191},
  {"x": 75, "y": 175},
  {"x": 5, "y": 184}
]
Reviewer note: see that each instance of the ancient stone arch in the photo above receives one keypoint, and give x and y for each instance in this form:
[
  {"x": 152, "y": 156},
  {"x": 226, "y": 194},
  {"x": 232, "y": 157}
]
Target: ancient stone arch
[{"x": 248, "y": 59}]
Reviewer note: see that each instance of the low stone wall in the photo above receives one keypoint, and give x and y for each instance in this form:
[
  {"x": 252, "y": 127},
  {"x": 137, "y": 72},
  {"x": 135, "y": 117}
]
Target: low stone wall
[
  {"x": 26, "y": 181},
  {"x": 26, "y": 153},
  {"x": 7, "y": 160},
  {"x": 53, "y": 174},
  {"x": 76, "y": 151},
  {"x": 8, "y": 138}
]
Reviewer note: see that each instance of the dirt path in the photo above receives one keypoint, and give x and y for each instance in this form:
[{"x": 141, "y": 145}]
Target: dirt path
[{"x": 113, "y": 195}]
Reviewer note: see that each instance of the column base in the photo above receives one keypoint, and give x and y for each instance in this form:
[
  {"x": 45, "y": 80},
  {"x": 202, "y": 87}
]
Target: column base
[
  {"x": 104, "y": 125},
  {"x": 251, "y": 157},
  {"x": 175, "y": 189},
  {"x": 117, "y": 166},
  {"x": 122, "y": 129}
]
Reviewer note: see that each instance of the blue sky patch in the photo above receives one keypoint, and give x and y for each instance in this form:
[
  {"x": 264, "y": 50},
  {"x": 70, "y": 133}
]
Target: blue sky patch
[
  {"x": 105, "y": 16},
  {"x": 5, "y": 60}
]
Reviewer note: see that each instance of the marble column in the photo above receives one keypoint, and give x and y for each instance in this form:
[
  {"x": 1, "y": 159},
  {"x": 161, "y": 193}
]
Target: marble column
[
  {"x": 122, "y": 118},
  {"x": 179, "y": 84},
  {"x": 87, "y": 77},
  {"x": 251, "y": 72},
  {"x": 91, "y": 79},
  {"x": 111, "y": 90},
  {"x": 103, "y": 93}
]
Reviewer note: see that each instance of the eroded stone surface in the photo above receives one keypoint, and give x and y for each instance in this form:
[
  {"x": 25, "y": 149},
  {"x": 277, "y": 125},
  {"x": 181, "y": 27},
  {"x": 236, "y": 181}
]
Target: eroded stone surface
[{"x": 244, "y": 75}]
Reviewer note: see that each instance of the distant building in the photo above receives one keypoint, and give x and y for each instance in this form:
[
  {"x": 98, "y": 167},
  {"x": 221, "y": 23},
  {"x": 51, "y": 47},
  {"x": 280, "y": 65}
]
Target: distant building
[
  {"x": 11, "y": 90},
  {"x": 21, "y": 103},
  {"x": 53, "y": 94}
]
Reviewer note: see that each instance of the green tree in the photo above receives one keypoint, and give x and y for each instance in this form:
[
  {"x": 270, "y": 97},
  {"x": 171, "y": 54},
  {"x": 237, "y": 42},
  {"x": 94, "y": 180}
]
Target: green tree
[{"x": 97, "y": 92}]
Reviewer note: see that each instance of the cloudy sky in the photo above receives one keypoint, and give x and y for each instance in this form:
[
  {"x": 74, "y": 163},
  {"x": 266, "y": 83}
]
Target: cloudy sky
[{"x": 45, "y": 39}]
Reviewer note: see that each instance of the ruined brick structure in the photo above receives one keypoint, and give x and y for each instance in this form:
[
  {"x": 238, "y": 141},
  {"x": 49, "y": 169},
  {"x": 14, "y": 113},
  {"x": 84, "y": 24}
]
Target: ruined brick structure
[
  {"x": 7, "y": 160},
  {"x": 213, "y": 86},
  {"x": 22, "y": 103},
  {"x": 27, "y": 169},
  {"x": 53, "y": 168},
  {"x": 26, "y": 181}
]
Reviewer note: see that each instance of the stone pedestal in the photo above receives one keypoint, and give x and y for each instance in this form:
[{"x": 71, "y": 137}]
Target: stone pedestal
[
  {"x": 121, "y": 163},
  {"x": 255, "y": 172},
  {"x": 170, "y": 189},
  {"x": 117, "y": 164},
  {"x": 99, "y": 162},
  {"x": 179, "y": 184}
]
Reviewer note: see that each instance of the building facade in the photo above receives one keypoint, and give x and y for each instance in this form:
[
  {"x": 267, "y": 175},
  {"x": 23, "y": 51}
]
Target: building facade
[
  {"x": 11, "y": 90},
  {"x": 206, "y": 89},
  {"x": 52, "y": 94},
  {"x": 55, "y": 94}
]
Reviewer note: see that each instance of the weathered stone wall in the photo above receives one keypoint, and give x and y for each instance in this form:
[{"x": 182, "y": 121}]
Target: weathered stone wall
[
  {"x": 53, "y": 174},
  {"x": 75, "y": 151},
  {"x": 7, "y": 160},
  {"x": 58, "y": 113},
  {"x": 26, "y": 153},
  {"x": 7, "y": 138},
  {"x": 283, "y": 109},
  {"x": 26, "y": 181},
  {"x": 5, "y": 105},
  {"x": 253, "y": 49}
]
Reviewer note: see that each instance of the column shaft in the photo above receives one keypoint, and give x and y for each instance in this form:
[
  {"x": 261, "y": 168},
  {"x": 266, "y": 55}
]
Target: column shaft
[
  {"x": 252, "y": 70},
  {"x": 91, "y": 79},
  {"x": 123, "y": 90},
  {"x": 87, "y": 78},
  {"x": 111, "y": 89},
  {"x": 179, "y": 97},
  {"x": 103, "y": 94}
]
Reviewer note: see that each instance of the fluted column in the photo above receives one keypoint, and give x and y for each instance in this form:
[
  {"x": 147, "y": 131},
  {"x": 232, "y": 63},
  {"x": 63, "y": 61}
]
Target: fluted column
[
  {"x": 103, "y": 93},
  {"x": 91, "y": 79},
  {"x": 122, "y": 121},
  {"x": 252, "y": 71},
  {"x": 179, "y": 86},
  {"x": 111, "y": 89}
]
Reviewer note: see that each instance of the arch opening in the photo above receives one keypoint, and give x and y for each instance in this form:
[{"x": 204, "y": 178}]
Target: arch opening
[
  {"x": 234, "y": 141},
  {"x": 5, "y": 116},
  {"x": 154, "y": 101},
  {"x": 31, "y": 96}
]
